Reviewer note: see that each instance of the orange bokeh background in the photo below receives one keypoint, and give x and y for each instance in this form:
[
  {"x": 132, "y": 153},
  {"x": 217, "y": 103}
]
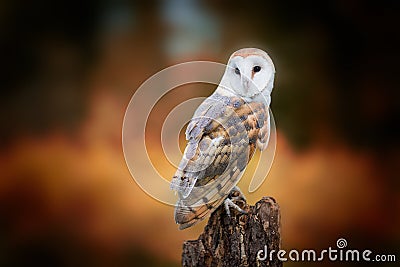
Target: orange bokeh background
[{"x": 67, "y": 197}]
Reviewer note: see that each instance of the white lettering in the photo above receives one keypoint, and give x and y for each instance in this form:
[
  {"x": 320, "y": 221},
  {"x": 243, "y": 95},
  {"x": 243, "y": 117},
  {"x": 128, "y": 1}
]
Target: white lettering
[
  {"x": 262, "y": 258},
  {"x": 293, "y": 251},
  {"x": 366, "y": 254},
  {"x": 281, "y": 253}
]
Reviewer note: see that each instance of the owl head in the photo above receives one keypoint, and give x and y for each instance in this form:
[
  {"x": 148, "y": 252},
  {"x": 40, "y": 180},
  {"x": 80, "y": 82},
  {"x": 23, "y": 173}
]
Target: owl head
[{"x": 249, "y": 72}]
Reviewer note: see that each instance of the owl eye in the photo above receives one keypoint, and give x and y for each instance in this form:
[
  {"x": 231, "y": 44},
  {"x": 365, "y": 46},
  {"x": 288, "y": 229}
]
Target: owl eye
[
  {"x": 256, "y": 68},
  {"x": 237, "y": 71}
]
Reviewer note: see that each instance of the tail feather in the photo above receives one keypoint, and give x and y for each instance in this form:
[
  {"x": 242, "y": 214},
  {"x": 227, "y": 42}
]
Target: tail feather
[{"x": 187, "y": 216}]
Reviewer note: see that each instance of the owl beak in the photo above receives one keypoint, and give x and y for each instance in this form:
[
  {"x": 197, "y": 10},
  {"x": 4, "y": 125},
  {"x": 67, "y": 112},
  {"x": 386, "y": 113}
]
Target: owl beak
[{"x": 245, "y": 84}]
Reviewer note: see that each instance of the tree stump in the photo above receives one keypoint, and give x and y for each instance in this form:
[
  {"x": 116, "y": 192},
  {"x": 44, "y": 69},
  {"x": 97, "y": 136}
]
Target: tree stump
[{"x": 236, "y": 240}]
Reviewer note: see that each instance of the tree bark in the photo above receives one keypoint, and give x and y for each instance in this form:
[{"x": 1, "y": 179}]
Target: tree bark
[{"x": 236, "y": 240}]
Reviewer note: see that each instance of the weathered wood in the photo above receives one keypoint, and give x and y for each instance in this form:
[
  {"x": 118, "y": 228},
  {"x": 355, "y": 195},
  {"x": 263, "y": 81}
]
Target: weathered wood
[{"x": 236, "y": 240}]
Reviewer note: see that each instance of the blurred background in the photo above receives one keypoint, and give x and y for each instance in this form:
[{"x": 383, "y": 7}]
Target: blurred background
[{"x": 70, "y": 68}]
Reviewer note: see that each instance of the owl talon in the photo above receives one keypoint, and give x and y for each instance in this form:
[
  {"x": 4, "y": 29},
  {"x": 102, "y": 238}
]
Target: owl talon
[{"x": 229, "y": 204}]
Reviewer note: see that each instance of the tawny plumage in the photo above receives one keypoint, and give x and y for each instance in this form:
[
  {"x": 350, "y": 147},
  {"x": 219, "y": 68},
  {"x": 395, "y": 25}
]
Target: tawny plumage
[{"x": 223, "y": 135}]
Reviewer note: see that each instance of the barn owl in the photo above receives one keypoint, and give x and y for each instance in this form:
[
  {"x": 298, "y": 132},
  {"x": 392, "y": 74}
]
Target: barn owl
[{"x": 222, "y": 136}]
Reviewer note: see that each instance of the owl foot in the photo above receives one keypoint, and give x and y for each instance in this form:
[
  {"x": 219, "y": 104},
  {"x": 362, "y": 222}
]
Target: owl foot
[
  {"x": 230, "y": 204},
  {"x": 236, "y": 195}
]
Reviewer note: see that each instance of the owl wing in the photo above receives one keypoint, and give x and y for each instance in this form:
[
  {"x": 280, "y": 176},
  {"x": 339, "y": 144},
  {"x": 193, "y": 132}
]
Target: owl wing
[
  {"x": 207, "y": 138},
  {"x": 264, "y": 121},
  {"x": 221, "y": 137}
]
